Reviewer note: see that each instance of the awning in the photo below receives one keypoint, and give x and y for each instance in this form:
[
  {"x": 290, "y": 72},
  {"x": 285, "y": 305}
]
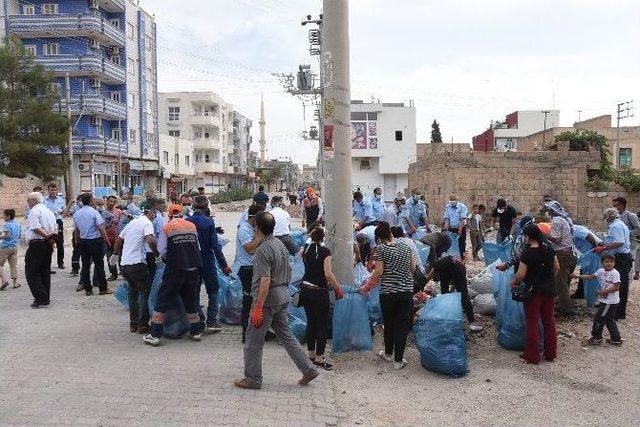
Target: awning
[
  {"x": 150, "y": 165},
  {"x": 136, "y": 165}
]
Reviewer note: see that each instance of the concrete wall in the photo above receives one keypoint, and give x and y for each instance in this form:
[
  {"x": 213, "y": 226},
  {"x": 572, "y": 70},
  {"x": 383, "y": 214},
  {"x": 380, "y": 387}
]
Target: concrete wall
[{"x": 522, "y": 178}]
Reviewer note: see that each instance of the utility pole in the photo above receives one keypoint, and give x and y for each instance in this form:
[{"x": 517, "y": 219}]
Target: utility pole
[
  {"x": 69, "y": 182},
  {"x": 544, "y": 133},
  {"x": 336, "y": 151},
  {"x": 119, "y": 189},
  {"x": 624, "y": 112}
]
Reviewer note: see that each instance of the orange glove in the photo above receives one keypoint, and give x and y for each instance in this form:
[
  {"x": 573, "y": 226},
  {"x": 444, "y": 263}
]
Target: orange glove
[
  {"x": 422, "y": 296},
  {"x": 599, "y": 249},
  {"x": 339, "y": 293},
  {"x": 256, "y": 316},
  {"x": 227, "y": 271}
]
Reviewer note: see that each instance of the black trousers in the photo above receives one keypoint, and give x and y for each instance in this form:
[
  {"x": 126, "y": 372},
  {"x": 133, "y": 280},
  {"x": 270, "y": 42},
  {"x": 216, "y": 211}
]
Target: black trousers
[
  {"x": 60, "y": 242},
  {"x": 316, "y": 306},
  {"x": 606, "y": 316},
  {"x": 37, "y": 269},
  {"x": 245, "y": 274},
  {"x": 396, "y": 318},
  {"x": 92, "y": 251},
  {"x": 75, "y": 259},
  {"x": 137, "y": 275},
  {"x": 184, "y": 284},
  {"x": 108, "y": 251},
  {"x": 624, "y": 263},
  {"x": 151, "y": 264},
  {"x": 461, "y": 286}
]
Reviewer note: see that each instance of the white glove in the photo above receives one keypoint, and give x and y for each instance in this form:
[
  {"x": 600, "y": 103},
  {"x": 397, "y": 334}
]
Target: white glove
[{"x": 114, "y": 260}]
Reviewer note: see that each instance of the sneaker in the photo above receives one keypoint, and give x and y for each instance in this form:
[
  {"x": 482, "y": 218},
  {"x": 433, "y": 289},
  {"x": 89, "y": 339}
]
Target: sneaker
[
  {"x": 307, "y": 378},
  {"x": 195, "y": 337},
  {"x": 593, "y": 341},
  {"x": 151, "y": 340},
  {"x": 475, "y": 327},
  {"x": 74, "y": 273},
  {"x": 324, "y": 365},
  {"x": 88, "y": 293},
  {"x": 105, "y": 291},
  {"x": 213, "y": 327},
  {"x": 614, "y": 342},
  {"x": 384, "y": 356},
  {"x": 61, "y": 267},
  {"x": 245, "y": 383},
  {"x": 79, "y": 288},
  {"x": 399, "y": 365}
]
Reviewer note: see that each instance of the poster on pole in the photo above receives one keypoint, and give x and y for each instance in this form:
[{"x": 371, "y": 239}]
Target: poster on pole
[
  {"x": 328, "y": 149},
  {"x": 359, "y": 135}
]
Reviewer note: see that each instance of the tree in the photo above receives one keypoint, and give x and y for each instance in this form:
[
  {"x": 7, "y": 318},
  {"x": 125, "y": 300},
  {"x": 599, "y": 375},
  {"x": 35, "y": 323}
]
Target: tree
[
  {"x": 32, "y": 135},
  {"x": 436, "y": 136}
]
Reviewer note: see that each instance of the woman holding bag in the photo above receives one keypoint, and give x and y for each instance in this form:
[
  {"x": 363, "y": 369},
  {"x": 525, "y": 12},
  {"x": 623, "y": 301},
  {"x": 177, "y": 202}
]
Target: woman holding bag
[
  {"x": 314, "y": 296},
  {"x": 394, "y": 268}
]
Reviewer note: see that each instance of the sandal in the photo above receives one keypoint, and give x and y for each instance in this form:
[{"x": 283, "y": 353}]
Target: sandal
[
  {"x": 324, "y": 365},
  {"x": 16, "y": 286}
]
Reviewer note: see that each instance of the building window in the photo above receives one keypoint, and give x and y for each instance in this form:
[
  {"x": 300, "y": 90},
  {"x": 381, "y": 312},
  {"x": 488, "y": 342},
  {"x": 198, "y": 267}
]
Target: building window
[
  {"x": 132, "y": 100},
  {"x": 176, "y": 160},
  {"x": 624, "y": 157},
  {"x": 115, "y": 96},
  {"x": 52, "y": 48},
  {"x": 187, "y": 160},
  {"x": 50, "y": 9},
  {"x": 206, "y": 158},
  {"x": 28, "y": 9},
  {"x": 174, "y": 133},
  {"x": 100, "y": 129},
  {"x": 115, "y": 60},
  {"x": 132, "y": 136},
  {"x": 150, "y": 139},
  {"x": 131, "y": 65},
  {"x": 115, "y": 22},
  {"x": 130, "y": 31},
  {"x": 197, "y": 158},
  {"x": 115, "y": 134},
  {"x": 398, "y": 135},
  {"x": 165, "y": 157},
  {"x": 31, "y": 50},
  {"x": 174, "y": 114},
  {"x": 147, "y": 41}
]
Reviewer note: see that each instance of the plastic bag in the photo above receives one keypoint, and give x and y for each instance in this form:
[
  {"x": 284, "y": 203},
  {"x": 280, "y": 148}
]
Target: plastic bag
[
  {"x": 419, "y": 233},
  {"x": 176, "y": 323},
  {"x": 229, "y": 298},
  {"x": 454, "y": 249},
  {"x": 299, "y": 237},
  {"x": 484, "y": 304},
  {"x": 351, "y": 330},
  {"x": 423, "y": 252},
  {"x": 440, "y": 337},
  {"x": 298, "y": 322},
  {"x": 360, "y": 275},
  {"x": 122, "y": 294},
  {"x": 482, "y": 283},
  {"x": 510, "y": 318},
  {"x": 494, "y": 251},
  {"x": 589, "y": 263},
  {"x": 297, "y": 269}
]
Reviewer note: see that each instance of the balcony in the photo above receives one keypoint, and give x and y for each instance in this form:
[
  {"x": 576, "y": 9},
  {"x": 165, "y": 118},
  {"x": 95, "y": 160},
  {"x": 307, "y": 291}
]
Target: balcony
[
  {"x": 81, "y": 25},
  {"x": 84, "y": 65},
  {"x": 208, "y": 168},
  {"x": 206, "y": 144},
  {"x": 97, "y": 144},
  {"x": 97, "y": 105},
  {"x": 113, "y": 6},
  {"x": 202, "y": 120}
]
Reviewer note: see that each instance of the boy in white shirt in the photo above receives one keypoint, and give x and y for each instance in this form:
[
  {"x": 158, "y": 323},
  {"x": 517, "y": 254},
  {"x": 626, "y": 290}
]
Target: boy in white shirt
[{"x": 609, "y": 298}]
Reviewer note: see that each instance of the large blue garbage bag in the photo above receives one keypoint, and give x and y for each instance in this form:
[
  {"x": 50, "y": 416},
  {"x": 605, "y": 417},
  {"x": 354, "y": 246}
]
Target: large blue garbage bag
[
  {"x": 229, "y": 298},
  {"x": 122, "y": 294},
  {"x": 351, "y": 331},
  {"x": 419, "y": 233},
  {"x": 454, "y": 249},
  {"x": 360, "y": 275},
  {"x": 423, "y": 252},
  {"x": 440, "y": 337},
  {"x": 299, "y": 237},
  {"x": 176, "y": 323},
  {"x": 510, "y": 319},
  {"x": 589, "y": 263},
  {"x": 298, "y": 322},
  {"x": 297, "y": 269},
  {"x": 494, "y": 251}
]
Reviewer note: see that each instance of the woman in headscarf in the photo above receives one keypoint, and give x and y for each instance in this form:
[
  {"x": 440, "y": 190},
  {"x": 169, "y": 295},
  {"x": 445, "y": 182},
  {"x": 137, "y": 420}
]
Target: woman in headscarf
[{"x": 311, "y": 208}]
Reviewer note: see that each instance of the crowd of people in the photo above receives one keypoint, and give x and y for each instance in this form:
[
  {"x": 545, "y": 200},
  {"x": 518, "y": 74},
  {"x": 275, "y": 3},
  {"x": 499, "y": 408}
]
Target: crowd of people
[{"x": 136, "y": 238}]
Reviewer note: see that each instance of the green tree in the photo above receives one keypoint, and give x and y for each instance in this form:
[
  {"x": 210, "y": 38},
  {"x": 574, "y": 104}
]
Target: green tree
[
  {"x": 436, "y": 136},
  {"x": 32, "y": 135}
]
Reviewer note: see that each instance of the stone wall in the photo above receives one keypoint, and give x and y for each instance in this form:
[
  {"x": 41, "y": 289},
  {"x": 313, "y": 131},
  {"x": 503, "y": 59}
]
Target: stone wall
[
  {"x": 13, "y": 192},
  {"x": 521, "y": 178}
]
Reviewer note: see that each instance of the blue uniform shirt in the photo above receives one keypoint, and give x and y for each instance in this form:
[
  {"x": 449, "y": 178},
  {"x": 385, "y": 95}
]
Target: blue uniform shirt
[
  {"x": 13, "y": 229},
  {"x": 378, "y": 207},
  {"x": 87, "y": 220},
  {"x": 363, "y": 211},
  {"x": 619, "y": 233},
  {"x": 455, "y": 214},
  {"x": 55, "y": 205},
  {"x": 415, "y": 211},
  {"x": 208, "y": 238},
  {"x": 245, "y": 235},
  {"x": 580, "y": 241}
]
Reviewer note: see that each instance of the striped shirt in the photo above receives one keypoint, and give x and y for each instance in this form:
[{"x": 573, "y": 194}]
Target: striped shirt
[{"x": 396, "y": 276}]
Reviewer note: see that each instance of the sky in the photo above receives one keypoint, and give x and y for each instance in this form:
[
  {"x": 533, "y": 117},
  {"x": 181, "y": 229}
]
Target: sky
[{"x": 463, "y": 62}]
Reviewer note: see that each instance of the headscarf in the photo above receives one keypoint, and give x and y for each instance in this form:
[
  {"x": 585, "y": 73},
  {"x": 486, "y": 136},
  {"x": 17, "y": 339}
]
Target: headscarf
[{"x": 557, "y": 209}]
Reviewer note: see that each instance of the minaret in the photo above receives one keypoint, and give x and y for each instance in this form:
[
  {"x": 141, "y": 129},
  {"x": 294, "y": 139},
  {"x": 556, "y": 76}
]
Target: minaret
[{"x": 263, "y": 141}]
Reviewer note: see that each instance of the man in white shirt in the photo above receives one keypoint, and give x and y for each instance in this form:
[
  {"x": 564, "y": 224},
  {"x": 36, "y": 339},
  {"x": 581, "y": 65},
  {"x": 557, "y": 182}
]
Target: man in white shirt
[
  {"x": 282, "y": 230},
  {"x": 41, "y": 234},
  {"x": 129, "y": 249}
]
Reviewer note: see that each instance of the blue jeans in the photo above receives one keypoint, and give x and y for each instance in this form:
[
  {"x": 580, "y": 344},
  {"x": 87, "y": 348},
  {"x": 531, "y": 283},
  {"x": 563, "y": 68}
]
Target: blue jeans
[{"x": 210, "y": 279}]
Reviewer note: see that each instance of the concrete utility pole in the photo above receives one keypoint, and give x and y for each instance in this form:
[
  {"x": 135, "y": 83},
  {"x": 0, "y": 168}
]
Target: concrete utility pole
[
  {"x": 69, "y": 182},
  {"x": 624, "y": 112},
  {"x": 336, "y": 114}
]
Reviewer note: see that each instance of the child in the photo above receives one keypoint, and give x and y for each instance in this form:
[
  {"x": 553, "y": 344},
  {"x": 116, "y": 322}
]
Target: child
[
  {"x": 9, "y": 248},
  {"x": 475, "y": 231},
  {"x": 609, "y": 299}
]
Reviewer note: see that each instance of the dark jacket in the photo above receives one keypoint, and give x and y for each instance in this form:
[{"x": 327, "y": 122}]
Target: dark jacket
[
  {"x": 208, "y": 238},
  {"x": 183, "y": 251}
]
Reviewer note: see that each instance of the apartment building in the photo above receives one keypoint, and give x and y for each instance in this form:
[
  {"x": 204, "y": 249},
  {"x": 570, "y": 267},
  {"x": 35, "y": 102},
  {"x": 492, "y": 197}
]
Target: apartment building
[
  {"x": 504, "y": 135},
  {"x": 107, "y": 48},
  {"x": 241, "y": 145},
  {"x": 177, "y": 165}
]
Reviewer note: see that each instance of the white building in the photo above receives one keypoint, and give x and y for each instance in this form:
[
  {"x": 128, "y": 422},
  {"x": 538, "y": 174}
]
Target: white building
[
  {"x": 241, "y": 145},
  {"x": 206, "y": 120},
  {"x": 504, "y": 136},
  {"x": 177, "y": 166},
  {"x": 383, "y": 142}
]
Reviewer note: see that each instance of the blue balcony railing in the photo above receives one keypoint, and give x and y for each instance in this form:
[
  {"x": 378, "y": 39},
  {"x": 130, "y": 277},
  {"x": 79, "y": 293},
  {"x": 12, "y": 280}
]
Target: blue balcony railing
[
  {"x": 96, "y": 105},
  {"x": 84, "y": 65},
  {"x": 98, "y": 144},
  {"x": 114, "y": 6},
  {"x": 84, "y": 25}
]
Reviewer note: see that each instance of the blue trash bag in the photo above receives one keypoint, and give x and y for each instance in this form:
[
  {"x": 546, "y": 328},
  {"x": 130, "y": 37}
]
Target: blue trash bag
[
  {"x": 176, "y": 323},
  {"x": 589, "y": 263},
  {"x": 494, "y": 251},
  {"x": 298, "y": 322},
  {"x": 419, "y": 233},
  {"x": 350, "y": 328},
  {"x": 360, "y": 275},
  {"x": 299, "y": 237},
  {"x": 454, "y": 249},
  {"x": 122, "y": 294},
  {"x": 297, "y": 269},
  {"x": 229, "y": 298},
  {"x": 423, "y": 252},
  {"x": 510, "y": 319},
  {"x": 440, "y": 337}
]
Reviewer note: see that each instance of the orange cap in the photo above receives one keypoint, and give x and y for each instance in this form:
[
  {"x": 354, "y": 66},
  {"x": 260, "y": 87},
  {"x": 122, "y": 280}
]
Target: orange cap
[
  {"x": 545, "y": 227},
  {"x": 175, "y": 210},
  {"x": 311, "y": 190}
]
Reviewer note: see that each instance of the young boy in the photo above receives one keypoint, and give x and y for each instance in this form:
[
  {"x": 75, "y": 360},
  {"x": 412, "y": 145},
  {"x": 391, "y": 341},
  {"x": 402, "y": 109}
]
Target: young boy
[
  {"x": 609, "y": 299},
  {"x": 476, "y": 231},
  {"x": 9, "y": 248}
]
